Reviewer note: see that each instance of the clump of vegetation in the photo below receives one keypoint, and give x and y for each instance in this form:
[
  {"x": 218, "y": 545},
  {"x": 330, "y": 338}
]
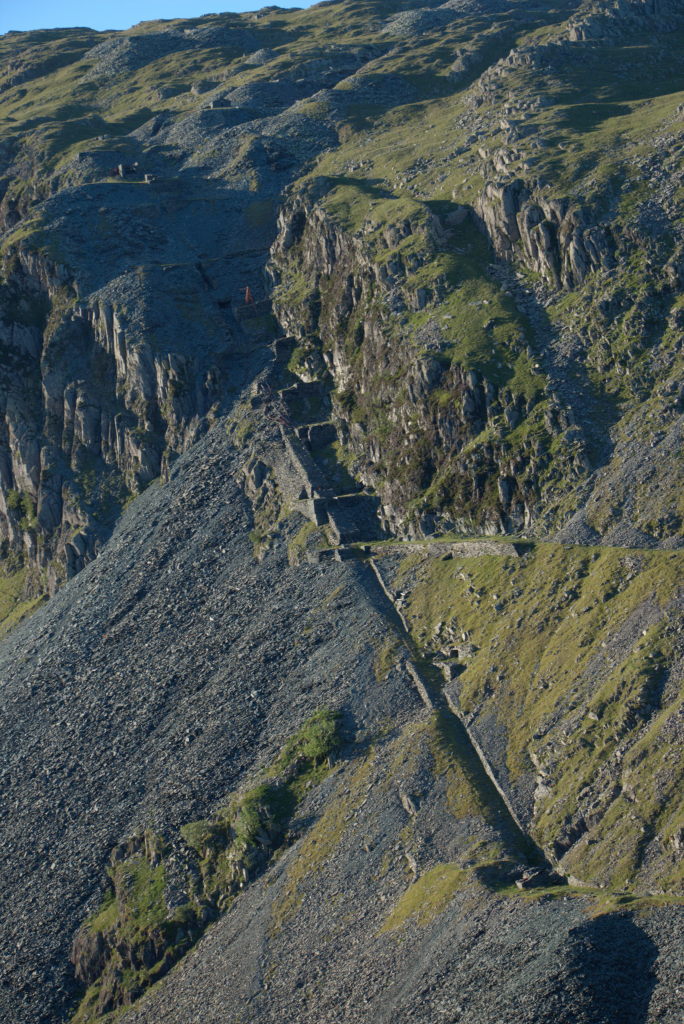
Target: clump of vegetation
[
  {"x": 136, "y": 937},
  {"x": 308, "y": 751},
  {"x": 386, "y": 657},
  {"x": 310, "y": 538},
  {"x": 427, "y": 897},
  {"x": 24, "y": 505},
  {"x": 20, "y": 595},
  {"x": 132, "y": 940}
]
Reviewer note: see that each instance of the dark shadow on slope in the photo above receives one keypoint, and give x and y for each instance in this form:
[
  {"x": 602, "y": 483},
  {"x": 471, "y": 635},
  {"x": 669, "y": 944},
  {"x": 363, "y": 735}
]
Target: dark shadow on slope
[
  {"x": 466, "y": 244},
  {"x": 613, "y": 963},
  {"x": 590, "y": 116},
  {"x": 595, "y": 412},
  {"x": 370, "y": 186}
]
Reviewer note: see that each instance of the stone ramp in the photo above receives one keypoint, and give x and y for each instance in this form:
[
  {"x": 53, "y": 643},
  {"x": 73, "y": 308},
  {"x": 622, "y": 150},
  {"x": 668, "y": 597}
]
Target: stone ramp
[{"x": 312, "y": 476}]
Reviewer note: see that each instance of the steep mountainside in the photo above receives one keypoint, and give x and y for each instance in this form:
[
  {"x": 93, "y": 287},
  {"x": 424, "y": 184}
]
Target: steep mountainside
[{"x": 341, "y": 516}]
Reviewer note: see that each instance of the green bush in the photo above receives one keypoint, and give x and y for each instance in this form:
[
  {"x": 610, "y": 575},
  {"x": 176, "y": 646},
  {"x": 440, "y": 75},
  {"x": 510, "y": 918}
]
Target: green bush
[
  {"x": 22, "y": 503},
  {"x": 13, "y": 500},
  {"x": 316, "y": 740}
]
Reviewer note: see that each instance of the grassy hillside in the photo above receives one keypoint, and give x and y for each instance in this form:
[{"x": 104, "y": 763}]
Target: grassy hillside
[{"x": 571, "y": 658}]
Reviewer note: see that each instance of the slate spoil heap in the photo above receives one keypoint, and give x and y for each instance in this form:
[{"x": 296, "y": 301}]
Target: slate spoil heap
[{"x": 341, "y": 522}]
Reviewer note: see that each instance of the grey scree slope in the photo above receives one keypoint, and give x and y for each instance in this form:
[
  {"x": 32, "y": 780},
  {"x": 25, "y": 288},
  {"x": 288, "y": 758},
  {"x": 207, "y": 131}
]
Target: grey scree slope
[
  {"x": 145, "y": 692},
  {"x": 157, "y": 682}
]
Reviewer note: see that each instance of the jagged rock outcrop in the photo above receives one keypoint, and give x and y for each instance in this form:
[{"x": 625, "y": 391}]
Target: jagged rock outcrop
[
  {"x": 149, "y": 313},
  {"x": 91, "y": 413},
  {"x": 606, "y": 20},
  {"x": 560, "y": 243},
  {"x": 407, "y": 416}
]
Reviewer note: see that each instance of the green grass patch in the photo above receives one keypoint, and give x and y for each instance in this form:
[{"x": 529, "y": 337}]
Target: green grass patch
[
  {"x": 427, "y": 897},
  {"x": 143, "y": 938},
  {"x": 15, "y": 606},
  {"x": 310, "y": 748},
  {"x": 538, "y": 627},
  {"x": 386, "y": 657}
]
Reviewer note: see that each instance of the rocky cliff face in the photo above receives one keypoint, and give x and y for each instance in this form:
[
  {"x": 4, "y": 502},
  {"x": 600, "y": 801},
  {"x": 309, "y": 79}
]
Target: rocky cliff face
[
  {"x": 560, "y": 244},
  {"x": 122, "y": 301},
  {"x": 600, "y": 21},
  {"x": 410, "y": 414},
  {"x": 92, "y": 414},
  {"x": 498, "y": 421}
]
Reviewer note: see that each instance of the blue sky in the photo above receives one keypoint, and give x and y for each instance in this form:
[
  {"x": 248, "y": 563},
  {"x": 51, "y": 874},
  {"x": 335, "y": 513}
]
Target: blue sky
[{"x": 100, "y": 14}]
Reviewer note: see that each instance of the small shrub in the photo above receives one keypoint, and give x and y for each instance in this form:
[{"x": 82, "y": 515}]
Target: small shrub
[{"x": 13, "y": 500}]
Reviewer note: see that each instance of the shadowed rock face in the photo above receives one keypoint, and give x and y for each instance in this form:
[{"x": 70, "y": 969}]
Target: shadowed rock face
[
  {"x": 85, "y": 430},
  {"x": 288, "y": 300}
]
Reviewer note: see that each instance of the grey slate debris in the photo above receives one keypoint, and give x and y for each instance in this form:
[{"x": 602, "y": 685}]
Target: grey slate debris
[{"x": 165, "y": 638}]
